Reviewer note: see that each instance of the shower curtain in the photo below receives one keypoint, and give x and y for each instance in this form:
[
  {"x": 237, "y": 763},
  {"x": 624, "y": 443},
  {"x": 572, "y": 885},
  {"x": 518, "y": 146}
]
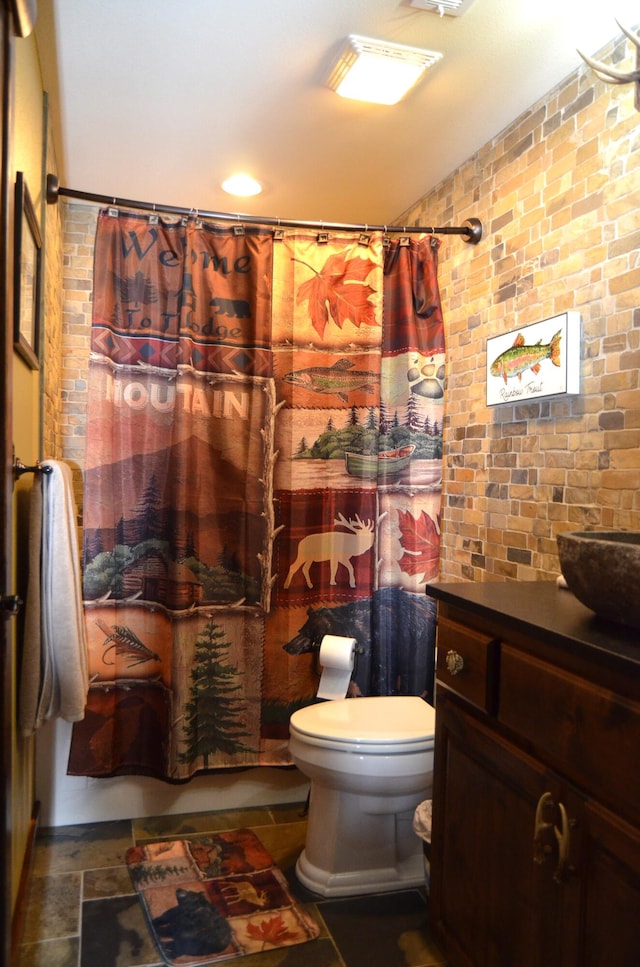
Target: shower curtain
[{"x": 263, "y": 466}]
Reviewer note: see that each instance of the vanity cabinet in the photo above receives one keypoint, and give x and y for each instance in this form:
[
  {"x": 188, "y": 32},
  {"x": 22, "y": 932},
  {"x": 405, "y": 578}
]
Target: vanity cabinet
[{"x": 535, "y": 854}]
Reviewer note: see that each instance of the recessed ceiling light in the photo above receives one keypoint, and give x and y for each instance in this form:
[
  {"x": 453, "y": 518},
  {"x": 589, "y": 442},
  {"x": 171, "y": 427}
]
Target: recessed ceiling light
[
  {"x": 241, "y": 184},
  {"x": 376, "y": 71}
]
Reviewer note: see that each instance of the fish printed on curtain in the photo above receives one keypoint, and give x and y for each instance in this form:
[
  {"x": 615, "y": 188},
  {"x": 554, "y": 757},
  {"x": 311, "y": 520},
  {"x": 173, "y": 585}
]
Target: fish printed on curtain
[{"x": 263, "y": 466}]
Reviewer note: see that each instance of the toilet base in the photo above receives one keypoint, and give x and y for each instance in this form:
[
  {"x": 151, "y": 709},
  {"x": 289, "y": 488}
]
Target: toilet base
[
  {"x": 364, "y": 792},
  {"x": 362, "y": 843},
  {"x": 360, "y": 882}
]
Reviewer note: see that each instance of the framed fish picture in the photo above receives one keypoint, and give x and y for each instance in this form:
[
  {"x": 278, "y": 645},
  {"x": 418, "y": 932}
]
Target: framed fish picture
[{"x": 542, "y": 359}]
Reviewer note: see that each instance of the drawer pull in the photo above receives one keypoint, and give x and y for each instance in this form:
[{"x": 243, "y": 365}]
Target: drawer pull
[{"x": 454, "y": 662}]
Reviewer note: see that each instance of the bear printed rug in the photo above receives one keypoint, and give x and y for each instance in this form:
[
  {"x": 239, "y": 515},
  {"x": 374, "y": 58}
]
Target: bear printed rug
[{"x": 211, "y": 899}]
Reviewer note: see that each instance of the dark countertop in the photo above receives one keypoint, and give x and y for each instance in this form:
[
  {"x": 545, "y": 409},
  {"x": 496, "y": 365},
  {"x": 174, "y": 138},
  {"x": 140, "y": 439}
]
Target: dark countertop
[{"x": 550, "y": 614}]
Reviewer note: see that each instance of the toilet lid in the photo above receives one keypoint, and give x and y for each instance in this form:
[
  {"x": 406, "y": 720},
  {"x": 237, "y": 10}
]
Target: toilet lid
[{"x": 376, "y": 720}]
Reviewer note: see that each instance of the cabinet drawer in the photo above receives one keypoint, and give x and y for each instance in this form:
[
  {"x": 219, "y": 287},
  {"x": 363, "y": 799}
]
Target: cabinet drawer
[
  {"x": 466, "y": 663},
  {"x": 587, "y": 732}
]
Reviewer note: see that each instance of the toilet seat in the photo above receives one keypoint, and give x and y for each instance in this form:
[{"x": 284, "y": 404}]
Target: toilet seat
[{"x": 374, "y": 725}]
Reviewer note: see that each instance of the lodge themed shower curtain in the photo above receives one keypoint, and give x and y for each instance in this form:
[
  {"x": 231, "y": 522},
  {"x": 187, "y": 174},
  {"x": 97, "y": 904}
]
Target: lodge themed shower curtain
[{"x": 263, "y": 466}]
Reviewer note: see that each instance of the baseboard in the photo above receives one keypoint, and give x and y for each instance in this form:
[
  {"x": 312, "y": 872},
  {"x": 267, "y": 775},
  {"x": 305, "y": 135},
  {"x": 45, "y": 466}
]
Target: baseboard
[{"x": 20, "y": 909}]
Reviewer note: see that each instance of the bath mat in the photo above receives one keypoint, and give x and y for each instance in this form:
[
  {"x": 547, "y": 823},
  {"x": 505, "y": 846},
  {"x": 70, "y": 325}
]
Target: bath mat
[{"x": 211, "y": 899}]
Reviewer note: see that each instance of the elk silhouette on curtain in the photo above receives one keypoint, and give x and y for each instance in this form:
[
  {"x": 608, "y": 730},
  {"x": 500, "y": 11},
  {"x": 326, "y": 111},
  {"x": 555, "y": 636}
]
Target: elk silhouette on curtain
[{"x": 263, "y": 466}]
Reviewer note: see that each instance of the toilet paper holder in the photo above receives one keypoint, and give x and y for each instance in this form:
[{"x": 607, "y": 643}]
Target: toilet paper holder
[{"x": 315, "y": 647}]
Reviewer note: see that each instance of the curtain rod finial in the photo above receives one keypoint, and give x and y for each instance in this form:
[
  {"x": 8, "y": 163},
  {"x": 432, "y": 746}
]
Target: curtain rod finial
[
  {"x": 53, "y": 187},
  {"x": 474, "y": 230}
]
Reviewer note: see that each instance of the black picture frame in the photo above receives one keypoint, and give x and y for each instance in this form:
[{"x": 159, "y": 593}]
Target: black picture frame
[{"x": 27, "y": 276}]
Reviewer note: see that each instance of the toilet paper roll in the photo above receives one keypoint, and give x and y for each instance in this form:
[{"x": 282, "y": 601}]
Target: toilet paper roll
[{"x": 336, "y": 658}]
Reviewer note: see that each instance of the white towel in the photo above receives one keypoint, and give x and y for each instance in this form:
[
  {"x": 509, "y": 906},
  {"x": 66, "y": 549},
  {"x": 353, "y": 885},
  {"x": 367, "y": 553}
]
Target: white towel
[
  {"x": 64, "y": 679},
  {"x": 31, "y": 663}
]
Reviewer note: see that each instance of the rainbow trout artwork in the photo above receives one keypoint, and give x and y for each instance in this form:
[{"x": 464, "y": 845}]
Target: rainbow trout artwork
[
  {"x": 340, "y": 379},
  {"x": 516, "y": 360}
]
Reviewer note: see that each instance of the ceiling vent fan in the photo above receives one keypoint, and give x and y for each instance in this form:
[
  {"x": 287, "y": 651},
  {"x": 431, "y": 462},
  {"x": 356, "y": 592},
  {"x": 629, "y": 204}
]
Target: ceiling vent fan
[{"x": 450, "y": 8}]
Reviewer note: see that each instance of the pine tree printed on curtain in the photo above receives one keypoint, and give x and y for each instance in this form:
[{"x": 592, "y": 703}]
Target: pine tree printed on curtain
[
  {"x": 264, "y": 447},
  {"x": 212, "y": 713}
]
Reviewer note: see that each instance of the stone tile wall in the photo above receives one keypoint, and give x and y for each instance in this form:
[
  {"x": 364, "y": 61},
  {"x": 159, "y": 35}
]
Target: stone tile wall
[
  {"x": 558, "y": 193},
  {"x": 79, "y": 229},
  {"x": 52, "y": 416}
]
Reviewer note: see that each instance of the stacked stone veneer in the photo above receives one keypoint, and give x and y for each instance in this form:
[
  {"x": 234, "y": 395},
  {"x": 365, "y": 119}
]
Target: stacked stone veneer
[
  {"x": 558, "y": 193},
  {"x": 78, "y": 240},
  {"x": 51, "y": 358}
]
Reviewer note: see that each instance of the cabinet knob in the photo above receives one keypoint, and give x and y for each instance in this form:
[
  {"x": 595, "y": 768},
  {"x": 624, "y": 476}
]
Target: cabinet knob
[{"x": 454, "y": 662}]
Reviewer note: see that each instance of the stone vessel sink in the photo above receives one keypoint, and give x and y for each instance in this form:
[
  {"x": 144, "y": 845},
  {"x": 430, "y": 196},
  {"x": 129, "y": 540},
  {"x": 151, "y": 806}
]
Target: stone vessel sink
[{"x": 602, "y": 568}]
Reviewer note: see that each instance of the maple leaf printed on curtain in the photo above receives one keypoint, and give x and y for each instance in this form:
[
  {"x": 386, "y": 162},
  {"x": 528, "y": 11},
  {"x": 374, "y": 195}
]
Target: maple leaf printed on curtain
[{"x": 264, "y": 445}]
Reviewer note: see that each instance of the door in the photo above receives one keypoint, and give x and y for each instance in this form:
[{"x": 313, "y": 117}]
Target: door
[
  {"x": 6, "y": 481},
  {"x": 16, "y": 17}
]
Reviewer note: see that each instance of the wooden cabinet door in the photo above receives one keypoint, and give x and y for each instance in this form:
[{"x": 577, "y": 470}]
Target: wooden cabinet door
[
  {"x": 494, "y": 899},
  {"x": 609, "y": 873}
]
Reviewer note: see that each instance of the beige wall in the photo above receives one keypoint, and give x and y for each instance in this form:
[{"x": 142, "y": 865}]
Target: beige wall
[{"x": 558, "y": 193}]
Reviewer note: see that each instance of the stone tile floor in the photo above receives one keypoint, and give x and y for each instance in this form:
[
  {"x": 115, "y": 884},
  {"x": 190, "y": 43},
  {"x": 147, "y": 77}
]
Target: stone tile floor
[{"x": 82, "y": 911}]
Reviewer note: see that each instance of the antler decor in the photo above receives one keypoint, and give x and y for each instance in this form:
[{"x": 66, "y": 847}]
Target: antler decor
[{"x": 612, "y": 76}]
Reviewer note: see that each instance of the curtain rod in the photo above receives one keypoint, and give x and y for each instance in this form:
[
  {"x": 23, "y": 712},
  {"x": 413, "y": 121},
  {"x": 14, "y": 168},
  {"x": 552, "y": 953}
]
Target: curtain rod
[{"x": 471, "y": 229}]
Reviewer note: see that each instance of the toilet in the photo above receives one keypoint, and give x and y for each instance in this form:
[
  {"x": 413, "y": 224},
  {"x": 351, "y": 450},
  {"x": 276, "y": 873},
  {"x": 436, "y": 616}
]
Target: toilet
[{"x": 370, "y": 762}]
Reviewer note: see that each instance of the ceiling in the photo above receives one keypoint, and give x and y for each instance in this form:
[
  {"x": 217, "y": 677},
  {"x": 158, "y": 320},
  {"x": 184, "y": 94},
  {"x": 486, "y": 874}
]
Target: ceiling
[{"x": 160, "y": 100}]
